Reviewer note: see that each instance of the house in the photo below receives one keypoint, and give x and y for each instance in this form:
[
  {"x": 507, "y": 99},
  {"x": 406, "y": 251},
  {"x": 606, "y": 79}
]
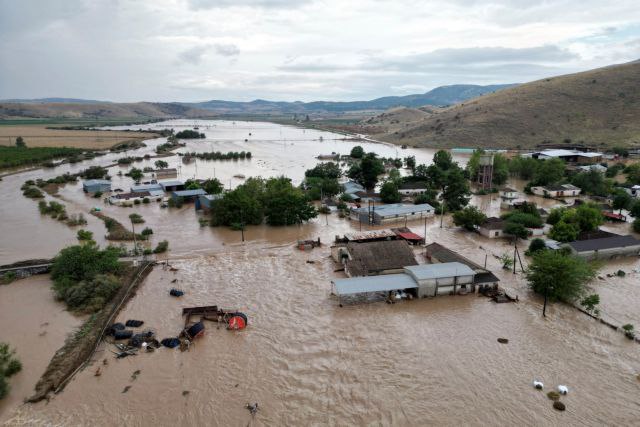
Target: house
[
  {"x": 166, "y": 173},
  {"x": 509, "y": 193},
  {"x": 412, "y": 188},
  {"x": 367, "y": 236},
  {"x": 492, "y": 227},
  {"x": 366, "y": 197},
  {"x": 441, "y": 279},
  {"x": 436, "y": 253},
  {"x": 127, "y": 198},
  {"x": 605, "y": 247},
  {"x": 188, "y": 195},
  {"x": 206, "y": 202},
  {"x": 384, "y": 214},
  {"x": 632, "y": 190},
  {"x": 351, "y": 188},
  {"x": 374, "y": 258},
  {"x": 146, "y": 187},
  {"x": 557, "y": 190},
  {"x": 171, "y": 185},
  {"x": 92, "y": 186}
]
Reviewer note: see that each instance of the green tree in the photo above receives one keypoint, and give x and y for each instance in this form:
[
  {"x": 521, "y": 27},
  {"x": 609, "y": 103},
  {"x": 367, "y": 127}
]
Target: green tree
[
  {"x": 212, "y": 186},
  {"x": 559, "y": 276},
  {"x": 443, "y": 160},
  {"x": 161, "y": 164},
  {"x": 591, "y": 302},
  {"x": 357, "y": 152},
  {"x": 516, "y": 230},
  {"x": 633, "y": 173},
  {"x": 536, "y": 245},
  {"x": 367, "y": 171},
  {"x": 389, "y": 192},
  {"x": 635, "y": 209},
  {"x": 9, "y": 366},
  {"x": 549, "y": 171},
  {"x": 500, "y": 169},
  {"x": 83, "y": 262},
  {"x": 285, "y": 204},
  {"x": 523, "y": 167},
  {"x": 20, "y": 142},
  {"x": 588, "y": 217},
  {"x": 136, "y": 218},
  {"x": 455, "y": 189},
  {"x": 242, "y": 205},
  {"x": 135, "y": 174},
  {"x": 95, "y": 172},
  {"x": 317, "y": 187},
  {"x": 325, "y": 170},
  {"x": 622, "y": 200},
  {"x": 636, "y": 225},
  {"x": 592, "y": 182},
  {"x": 410, "y": 162},
  {"x": 526, "y": 219},
  {"x": 469, "y": 218},
  {"x": 84, "y": 235},
  {"x": 555, "y": 215},
  {"x": 564, "y": 232}
]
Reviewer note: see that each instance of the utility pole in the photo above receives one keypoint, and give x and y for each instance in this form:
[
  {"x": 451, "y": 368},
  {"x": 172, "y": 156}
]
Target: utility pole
[
  {"x": 544, "y": 307},
  {"x": 135, "y": 244},
  {"x": 441, "y": 213}
]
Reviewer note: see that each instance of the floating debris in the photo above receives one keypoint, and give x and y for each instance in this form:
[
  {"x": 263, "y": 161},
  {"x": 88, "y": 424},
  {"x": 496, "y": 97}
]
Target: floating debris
[
  {"x": 503, "y": 340},
  {"x": 563, "y": 389},
  {"x": 559, "y": 405},
  {"x": 553, "y": 395},
  {"x": 253, "y": 408},
  {"x": 185, "y": 392},
  {"x": 97, "y": 373},
  {"x": 176, "y": 292},
  {"x": 538, "y": 384},
  {"x": 126, "y": 389},
  {"x": 134, "y": 323},
  {"x": 135, "y": 374}
]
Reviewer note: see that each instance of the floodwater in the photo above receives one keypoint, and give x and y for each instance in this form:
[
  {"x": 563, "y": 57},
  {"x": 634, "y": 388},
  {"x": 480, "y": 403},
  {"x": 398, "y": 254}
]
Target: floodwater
[{"x": 306, "y": 360}]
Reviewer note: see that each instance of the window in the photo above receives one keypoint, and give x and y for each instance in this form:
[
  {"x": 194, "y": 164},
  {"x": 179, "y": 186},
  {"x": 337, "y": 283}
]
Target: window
[{"x": 497, "y": 232}]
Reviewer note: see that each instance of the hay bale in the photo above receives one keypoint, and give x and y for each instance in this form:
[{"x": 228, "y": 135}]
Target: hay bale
[
  {"x": 553, "y": 395},
  {"x": 559, "y": 405}
]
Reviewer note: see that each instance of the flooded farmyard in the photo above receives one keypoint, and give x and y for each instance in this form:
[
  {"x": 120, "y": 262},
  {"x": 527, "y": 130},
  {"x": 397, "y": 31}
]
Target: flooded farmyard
[{"x": 303, "y": 358}]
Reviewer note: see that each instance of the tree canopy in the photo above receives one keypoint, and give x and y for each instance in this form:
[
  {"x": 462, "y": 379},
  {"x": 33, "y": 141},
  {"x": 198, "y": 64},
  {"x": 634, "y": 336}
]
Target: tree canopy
[
  {"x": 561, "y": 276},
  {"x": 366, "y": 172},
  {"x": 357, "y": 152},
  {"x": 469, "y": 218},
  {"x": 389, "y": 192}
]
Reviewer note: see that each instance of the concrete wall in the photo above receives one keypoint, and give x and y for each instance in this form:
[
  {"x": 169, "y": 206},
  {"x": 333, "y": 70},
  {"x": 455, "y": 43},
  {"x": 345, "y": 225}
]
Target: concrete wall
[{"x": 490, "y": 233}]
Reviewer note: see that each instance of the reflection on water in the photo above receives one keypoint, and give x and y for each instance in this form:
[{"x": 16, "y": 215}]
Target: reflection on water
[{"x": 304, "y": 359}]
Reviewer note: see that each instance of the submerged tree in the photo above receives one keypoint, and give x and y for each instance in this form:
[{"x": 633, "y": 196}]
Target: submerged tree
[{"x": 469, "y": 218}]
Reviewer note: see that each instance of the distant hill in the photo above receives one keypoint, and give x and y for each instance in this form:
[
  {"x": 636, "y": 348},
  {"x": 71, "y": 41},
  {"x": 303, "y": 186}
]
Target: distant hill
[
  {"x": 440, "y": 96},
  {"x": 596, "y": 108},
  {"x": 49, "y": 100},
  {"x": 98, "y": 111}
]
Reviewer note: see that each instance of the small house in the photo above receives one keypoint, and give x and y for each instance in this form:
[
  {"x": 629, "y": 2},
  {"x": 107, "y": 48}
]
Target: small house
[
  {"x": 406, "y": 234},
  {"x": 351, "y": 188},
  {"x": 384, "y": 214},
  {"x": 632, "y": 190},
  {"x": 492, "y": 228},
  {"x": 188, "y": 195},
  {"x": 597, "y": 167},
  {"x": 441, "y": 279},
  {"x": 127, "y": 198},
  {"x": 556, "y": 190},
  {"x": 171, "y": 185},
  {"x": 93, "y": 186},
  {"x": 605, "y": 247},
  {"x": 508, "y": 193},
  {"x": 412, "y": 188}
]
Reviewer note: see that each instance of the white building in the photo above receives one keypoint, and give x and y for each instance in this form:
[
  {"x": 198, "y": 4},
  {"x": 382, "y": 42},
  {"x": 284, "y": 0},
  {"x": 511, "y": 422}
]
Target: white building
[{"x": 556, "y": 190}]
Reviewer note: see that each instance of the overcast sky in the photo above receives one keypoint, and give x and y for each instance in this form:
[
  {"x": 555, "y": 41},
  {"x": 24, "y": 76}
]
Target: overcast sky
[{"x": 193, "y": 50}]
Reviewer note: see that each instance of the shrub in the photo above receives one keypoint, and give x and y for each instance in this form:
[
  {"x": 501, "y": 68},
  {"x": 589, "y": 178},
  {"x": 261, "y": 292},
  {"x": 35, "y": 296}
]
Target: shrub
[
  {"x": 97, "y": 194},
  {"x": 8, "y": 278},
  {"x": 147, "y": 232},
  {"x": 324, "y": 210},
  {"x": 84, "y": 235},
  {"x": 136, "y": 218},
  {"x": 145, "y": 200},
  {"x": 9, "y": 366},
  {"x": 32, "y": 193},
  {"x": 536, "y": 245},
  {"x": 636, "y": 225},
  {"x": 553, "y": 395},
  {"x": 162, "y": 247},
  {"x": 136, "y": 202}
]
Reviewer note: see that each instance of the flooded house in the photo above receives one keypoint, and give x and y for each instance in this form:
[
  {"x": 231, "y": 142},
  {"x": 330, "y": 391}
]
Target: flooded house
[
  {"x": 146, "y": 187},
  {"x": 632, "y": 190},
  {"x": 206, "y": 202},
  {"x": 436, "y": 253},
  {"x": 569, "y": 156},
  {"x": 127, "y": 198},
  {"x": 374, "y": 257},
  {"x": 412, "y": 188},
  {"x": 93, "y": 186},
  {"x": 166, "y": 173},
  {"x": 507, "y": 193},
  {"x": 556, "y": 190},
  {"x": 188, "y": 196},
  {"x": 492, "y": 228},
  {"x": 351, "y": 188},
  {"x": 610, "y": 246},
  {"x": 385, "y": 214},
  {"x": 171, "y": 185}
]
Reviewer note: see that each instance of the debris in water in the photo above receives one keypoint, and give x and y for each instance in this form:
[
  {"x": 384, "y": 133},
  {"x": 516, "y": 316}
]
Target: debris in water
[
  {"x": 134, "y": 323},
  {"x": 174, "y": 280},
  {"x": 559, "y": 405},
  {"x": 503, "y": 340},
  {"x": 253, "y": 409},
  {"x": 310, "y": 261},
  {"x": 563, "y": 389},
  {"x": 185, "y": 392},
  {"x": 538, "y": 384},
  {"x": 126, "y": 389},
  {"x": 97, "y": 373},
  {"x": 553, "y": 395},
  {"x": 135, "y": 374},
  {"x": 105, "y": 362},
  {"x": 176, "y": 292}
]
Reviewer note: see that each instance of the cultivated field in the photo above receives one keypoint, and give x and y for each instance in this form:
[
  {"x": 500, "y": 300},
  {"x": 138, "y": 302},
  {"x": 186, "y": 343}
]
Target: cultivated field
[{"x": 40, "y": 136}]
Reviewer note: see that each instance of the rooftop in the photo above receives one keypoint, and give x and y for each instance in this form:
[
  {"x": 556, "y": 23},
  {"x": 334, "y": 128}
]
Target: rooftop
[
  {"x": 413, "y": 185},
  {"x": 188, "y": 193},
  {"x": 96, "y": 182},
  {"x": 369, "y": 235},
  {"x": 146, "y": 187},
  {"x": 170, "y": 183},
  {"x": 372, "y": 257},
  {"x": 441, "y": 270},
  {"x": 604, "y": 243},
  {"x": 493, "y": 223},
  {"x": 382, "y": 283},
  {"x": 398, "y": 209}
]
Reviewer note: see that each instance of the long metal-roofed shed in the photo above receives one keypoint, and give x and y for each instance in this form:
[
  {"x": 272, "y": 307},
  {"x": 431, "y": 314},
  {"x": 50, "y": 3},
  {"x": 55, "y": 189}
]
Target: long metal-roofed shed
[
  {"x": 437, "y": 253},
  {"x": 371, "y": 284},
  {"x": 96, "y": 186},
  {"x": 606, "y": 247},
  {"x": 385, "y": 214},
  {"x": 441, "y": 279},
  {"x": 146, "y": 187},
  {"x": 188, "y": 195}
]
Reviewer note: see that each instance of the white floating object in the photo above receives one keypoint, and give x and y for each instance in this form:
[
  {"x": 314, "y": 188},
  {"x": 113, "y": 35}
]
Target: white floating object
[
  {"x": 563, "y": 389},
  {"x": 538, "y": 384}
]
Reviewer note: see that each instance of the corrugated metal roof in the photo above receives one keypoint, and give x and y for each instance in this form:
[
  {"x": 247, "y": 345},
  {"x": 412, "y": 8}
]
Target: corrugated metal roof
[
  {"x": 436, "y": 271},
  {"x": 368, "y": 235},
  {"x": 96, "y": 182},
  {"x": 398, "y": 209},
  {"x": 188, "y": 193},
  {"x": 170, "y": 183},
  {"x": 604, "y": 243},
  {"x": 146, "y": 187},
  {"x": 382, "y": 283}
]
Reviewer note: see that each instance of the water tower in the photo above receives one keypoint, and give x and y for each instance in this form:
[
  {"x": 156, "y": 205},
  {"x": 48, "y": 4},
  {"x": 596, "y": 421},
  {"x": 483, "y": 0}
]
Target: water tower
[{"x": 485, "y": 172}]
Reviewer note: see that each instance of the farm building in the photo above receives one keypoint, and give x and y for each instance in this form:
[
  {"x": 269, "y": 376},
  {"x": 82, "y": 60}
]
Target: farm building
[
  {"x": 367, "y": 236},
  {"x": 374, "y": 258},
  {"x": 96, "y": 186},
  {"x": 569, "y": 156},
  {"x": 605, "y": 247},
  {"x": 597, "y": 167},
  {"x": 206, "y": 202},
  {"x": 412, "y": 188},
  {"x": 436, "y": 253},
  {"x": 492, "y": 228},
  {"x": 557, "y": 190},
  {"x": 171, "y": 185},
  {"x": 166, "y": 173},
  {"x": 385, "y": 214},
  {"x": 441, "y": 279},
  {"x": 146, "y": 187},
  {"x": 126, "y": 198},
  {"x": 188, "y": 195}
]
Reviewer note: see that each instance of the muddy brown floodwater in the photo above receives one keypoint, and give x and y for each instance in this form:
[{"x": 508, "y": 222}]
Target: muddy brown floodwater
[{"x": 307, "y": 361}]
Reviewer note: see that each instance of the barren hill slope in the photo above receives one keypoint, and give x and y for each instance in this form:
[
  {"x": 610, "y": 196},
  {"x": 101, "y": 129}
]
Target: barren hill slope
[
  {"x": 598, "y": 108},
  {"x": 99, "y": 110}
]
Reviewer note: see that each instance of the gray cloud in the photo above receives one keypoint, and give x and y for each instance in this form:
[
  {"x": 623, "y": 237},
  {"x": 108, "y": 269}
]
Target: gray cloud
[
  {"x": 211, "y": 4},
  {"x": 227, "y": 49},
  {"x": 193, "y": 55}
]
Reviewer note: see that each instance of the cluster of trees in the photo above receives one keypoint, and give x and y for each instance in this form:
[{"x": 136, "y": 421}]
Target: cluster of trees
[
  {"x": 322, "y": 180},
  {"x": 95, "y": 172},
  {"x": 86, "y": 277},
  {"x": 172, "y": 143},
  {"x": 275, "y": 200},
  {"x": 367, "y": 170},
  {"x": 135, "y": 174},
  {"x": 568, "y": 223},
  {"x": 9, "y": 366},
  {"x": 161, "y": 164},
  {"x": 12, "y": 156},
  {"x": 217, "y": 155},
  {"x": 189, "y": 134},
  {"x": 210, "y": 185}
]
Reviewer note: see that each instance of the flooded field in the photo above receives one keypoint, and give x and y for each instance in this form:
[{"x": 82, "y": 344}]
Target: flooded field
[{"x": 303, "y": 358}]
